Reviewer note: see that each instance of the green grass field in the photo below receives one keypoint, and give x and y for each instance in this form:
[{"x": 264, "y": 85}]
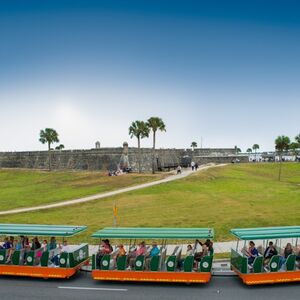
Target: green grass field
[
  {"x": 239, "y": 195},
  {"x": 25, "y": 188}
]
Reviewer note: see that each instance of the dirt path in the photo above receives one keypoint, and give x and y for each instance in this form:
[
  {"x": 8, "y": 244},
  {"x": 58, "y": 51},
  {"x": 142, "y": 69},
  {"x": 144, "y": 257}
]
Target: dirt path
[{"x": 184, "y": 174}]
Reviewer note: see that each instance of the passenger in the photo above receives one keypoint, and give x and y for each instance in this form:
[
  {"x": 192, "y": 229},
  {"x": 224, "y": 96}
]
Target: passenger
[
  {"x": 199, "y": 255},
  {"x": 133, "y": 254},
  {"x": 44, "y": 245},
  {"x": 19, "y": 246},
  {"x": 11, "y": 251},
  {"x": 153, "y": 252},
  {"x": 122, "y": 251},
  {"x": 251, "y": 253},
  {"x": 288, "y": 250},
  {"x": 64, "y": 248},
  {"x": 189, "y": 251},
  {"x": 298, "y": 256},
  {"x": 52, "y": 244},
  {"x": 35, "y": 244},
  {"x": 209, "y": 245},
  {"x": 269, "y": 253},
  {"x": 7, "y": 244},
  {"x": 26, "y": 247},
  {"x": 105, "y": 248}
]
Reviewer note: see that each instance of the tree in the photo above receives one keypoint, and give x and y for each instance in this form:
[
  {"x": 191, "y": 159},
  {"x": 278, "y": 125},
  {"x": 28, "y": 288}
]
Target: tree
[
  {"x": 194, "y": 145},
  {"x": 49, "y": 136},
  {"x": 60, "y": 147},
  {"x": 281, "y": 144},
  {"x": 294, "y": 147},
  {"x": 297, "y": 138},
  {"x": 255, "y": 147},
  {"x": 249, "y": 150},
  {"x": 154, "y": 124},
  {"x": 140, "y": 130}
]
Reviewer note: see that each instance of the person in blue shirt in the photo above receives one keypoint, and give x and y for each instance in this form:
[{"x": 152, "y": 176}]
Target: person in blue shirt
[
  {"x": 7, "y": 244},
  {"x": 251, "y": 253},
  {"x": 153, "y": 252}
]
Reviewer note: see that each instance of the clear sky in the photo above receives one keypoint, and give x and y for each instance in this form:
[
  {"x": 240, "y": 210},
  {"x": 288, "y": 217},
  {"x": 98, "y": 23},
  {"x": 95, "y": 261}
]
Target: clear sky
[{"x": 226, "y": 71}]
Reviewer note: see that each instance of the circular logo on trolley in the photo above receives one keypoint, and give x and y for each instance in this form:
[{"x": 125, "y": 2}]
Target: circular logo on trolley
[
  {"x": 1, "y": 257},
  {"x": 105, "y": 263},
  {"x": 62, "y": 261},
  {"x": 138, "y": 263},
  {"x": 81, "y": 254},
  {"x": 29, "y": 259},
  {"x": 205, "y": 265},
  {"x": 273, "y": 265},
  {"x": 170, "y": 264}
]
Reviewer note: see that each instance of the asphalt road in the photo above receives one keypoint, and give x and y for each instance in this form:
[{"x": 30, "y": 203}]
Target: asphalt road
[{"x": 83, "y": 287}]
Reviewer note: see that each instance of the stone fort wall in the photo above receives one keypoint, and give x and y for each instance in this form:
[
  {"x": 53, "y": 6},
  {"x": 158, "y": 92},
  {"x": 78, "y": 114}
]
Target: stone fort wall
[{"x": 110, "y": 158}]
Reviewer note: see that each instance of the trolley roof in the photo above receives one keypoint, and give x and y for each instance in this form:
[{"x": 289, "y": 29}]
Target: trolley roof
[
  {"x": 154, "y": 233},
  {"x": 40, "y": 230},
  {"x": 263, "y": 233}
]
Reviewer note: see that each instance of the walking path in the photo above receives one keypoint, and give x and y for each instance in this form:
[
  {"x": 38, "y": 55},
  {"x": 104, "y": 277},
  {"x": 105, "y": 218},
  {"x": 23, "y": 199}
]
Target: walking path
[{"x": 184, "y": 174}]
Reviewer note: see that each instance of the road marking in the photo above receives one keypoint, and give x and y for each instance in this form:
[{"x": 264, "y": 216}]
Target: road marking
[{"x": 92, "y": 289}]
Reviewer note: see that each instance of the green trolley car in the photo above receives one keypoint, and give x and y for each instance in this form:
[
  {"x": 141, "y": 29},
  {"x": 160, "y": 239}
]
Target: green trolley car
[
  {"x": 26, "y": 261},
  {"x": 162, "y": 267},
  {"x": 275, "y": 269}
]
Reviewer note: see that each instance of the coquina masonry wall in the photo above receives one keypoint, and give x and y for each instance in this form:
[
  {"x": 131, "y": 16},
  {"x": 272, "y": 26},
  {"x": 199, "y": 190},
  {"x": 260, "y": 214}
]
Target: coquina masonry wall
[{"x": 109, "y": 158}]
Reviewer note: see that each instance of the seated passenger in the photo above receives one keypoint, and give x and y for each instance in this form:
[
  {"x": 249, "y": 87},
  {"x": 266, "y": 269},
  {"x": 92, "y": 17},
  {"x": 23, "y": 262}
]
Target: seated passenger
[
  {"x": 133, "y": 254},
  {"x": 269, "y": 253},
  {"x": 35, "y": 244},
  {"x": 52, "y": 245},
  {"x": 7, "y": 244},
  {"x": 189, "y": 251},
  {"x": 11, "y": 251},
  {"x": 153, "y": 252},
  {"x": 122, "y": 251},
  {"x": 105, "y": 248},
  {"x": 205, "y": 250},
  {"x": 64, "y": 248},
  {"x": 44, "y": 245},
  {"x": 251, "y": 253},
  {"x": 288, "y": 250}
]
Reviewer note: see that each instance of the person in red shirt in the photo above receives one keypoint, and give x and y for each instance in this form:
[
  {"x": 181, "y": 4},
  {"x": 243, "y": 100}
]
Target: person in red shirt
[{"x": 105, "y": 248}]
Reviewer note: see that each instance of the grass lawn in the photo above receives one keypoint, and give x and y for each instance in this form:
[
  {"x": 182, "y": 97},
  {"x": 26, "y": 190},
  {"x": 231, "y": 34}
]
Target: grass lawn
[
  {"x": 25, "y": 188},
  {"x": 239, "y": 195}
]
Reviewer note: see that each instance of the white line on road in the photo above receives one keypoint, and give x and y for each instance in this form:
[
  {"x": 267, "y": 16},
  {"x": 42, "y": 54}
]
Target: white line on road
[{"x": 92, "y": 289}]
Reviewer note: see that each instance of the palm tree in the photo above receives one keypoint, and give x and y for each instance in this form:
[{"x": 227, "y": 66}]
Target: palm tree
[
  {"x": 255, "y": 147},
  {"x": 294, "y": 147},
  {"x": 194, "y": 145},
  {"x": 49, "y": 136},
  {"x": 140, "y": 130},
  {"x": 154, "y": 124},
  {"x": 281, "y": 144},
  {"x": 297, "y": 138}
]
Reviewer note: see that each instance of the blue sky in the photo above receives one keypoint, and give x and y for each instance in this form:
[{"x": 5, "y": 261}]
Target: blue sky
[{"x": 226, "y": 71}]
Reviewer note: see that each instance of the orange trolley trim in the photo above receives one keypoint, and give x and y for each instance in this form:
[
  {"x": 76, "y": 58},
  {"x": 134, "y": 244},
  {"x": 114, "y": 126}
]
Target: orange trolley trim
[
  {"x": 268, "y": 278},
  {"x": 40, "y": 272},
  {"x": 188, "y": 277}
]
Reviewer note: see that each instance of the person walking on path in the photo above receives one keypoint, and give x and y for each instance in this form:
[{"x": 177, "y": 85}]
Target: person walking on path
[{"x": 193, "y": 165}]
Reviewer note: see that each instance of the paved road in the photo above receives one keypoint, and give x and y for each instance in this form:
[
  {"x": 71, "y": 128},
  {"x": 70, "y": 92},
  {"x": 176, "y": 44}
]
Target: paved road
[
  {"x": 185, "y": 173},
  {"x": 83, "y": 287}
]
